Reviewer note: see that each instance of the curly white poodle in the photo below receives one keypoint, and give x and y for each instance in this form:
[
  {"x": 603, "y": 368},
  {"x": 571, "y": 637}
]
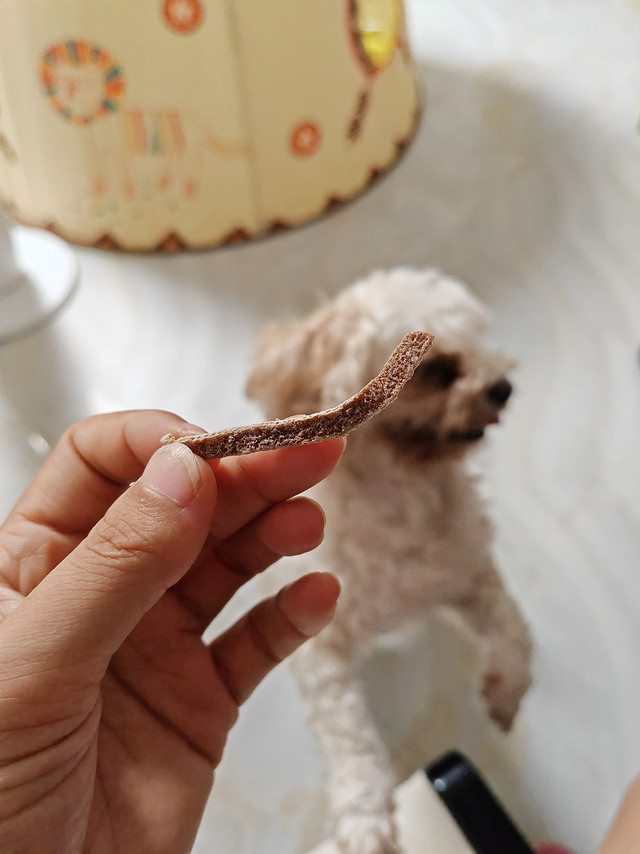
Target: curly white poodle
[{"x": 406, "y": 527}]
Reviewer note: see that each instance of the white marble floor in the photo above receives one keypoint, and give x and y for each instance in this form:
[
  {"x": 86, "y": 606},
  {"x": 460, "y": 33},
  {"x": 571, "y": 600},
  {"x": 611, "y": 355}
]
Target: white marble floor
[{"x": 524, "y": 181}]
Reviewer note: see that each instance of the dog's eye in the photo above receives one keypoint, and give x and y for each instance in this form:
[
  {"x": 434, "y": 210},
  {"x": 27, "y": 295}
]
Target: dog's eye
[{"x": 441, "y": 371}]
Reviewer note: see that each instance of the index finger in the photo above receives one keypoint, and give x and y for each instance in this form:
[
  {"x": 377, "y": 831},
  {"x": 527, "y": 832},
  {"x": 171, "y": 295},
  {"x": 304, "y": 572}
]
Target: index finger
[{"x": 99, "y": 457}]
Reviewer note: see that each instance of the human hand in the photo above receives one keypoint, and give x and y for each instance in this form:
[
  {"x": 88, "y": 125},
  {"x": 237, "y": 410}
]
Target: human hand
[
  {"x": 624, "y": 834},
  {"x": 113, "y": 711}
]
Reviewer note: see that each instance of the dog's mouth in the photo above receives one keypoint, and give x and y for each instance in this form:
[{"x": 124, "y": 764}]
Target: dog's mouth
[
  {"x": 413, "y": 433},
  {"x": 466, "y": 435},
  {"x": 427, "y": 442}
]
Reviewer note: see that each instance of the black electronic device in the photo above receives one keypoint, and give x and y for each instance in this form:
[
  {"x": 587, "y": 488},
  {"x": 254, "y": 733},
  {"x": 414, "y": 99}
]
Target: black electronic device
[{"x": 480, "y": 816}]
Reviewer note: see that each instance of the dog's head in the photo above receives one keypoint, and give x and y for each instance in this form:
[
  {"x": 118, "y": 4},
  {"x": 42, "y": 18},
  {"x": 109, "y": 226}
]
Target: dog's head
[{"x": 318, "y": 362}]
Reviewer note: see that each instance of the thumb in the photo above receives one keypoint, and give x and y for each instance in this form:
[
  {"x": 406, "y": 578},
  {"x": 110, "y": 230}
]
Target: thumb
[{"x": 85, "y": 608}]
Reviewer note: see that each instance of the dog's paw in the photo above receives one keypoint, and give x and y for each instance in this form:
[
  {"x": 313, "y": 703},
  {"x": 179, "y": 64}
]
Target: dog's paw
[
  {"x": 506, "y": 679},
  {"x": 502, "y": 697},
  {"x": 367, "y": 833}
]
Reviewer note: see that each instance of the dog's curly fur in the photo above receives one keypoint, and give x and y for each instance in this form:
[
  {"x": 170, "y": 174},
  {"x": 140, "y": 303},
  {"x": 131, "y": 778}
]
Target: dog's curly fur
[{"x": 406, "y": 528}]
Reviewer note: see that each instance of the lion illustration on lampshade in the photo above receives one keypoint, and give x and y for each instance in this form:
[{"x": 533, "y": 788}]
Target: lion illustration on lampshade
[{"x": 87, "y": 88}]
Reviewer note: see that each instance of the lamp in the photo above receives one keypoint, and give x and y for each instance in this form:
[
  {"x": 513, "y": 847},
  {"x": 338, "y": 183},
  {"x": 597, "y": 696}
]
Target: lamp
[{"x": 165, "y": 124}]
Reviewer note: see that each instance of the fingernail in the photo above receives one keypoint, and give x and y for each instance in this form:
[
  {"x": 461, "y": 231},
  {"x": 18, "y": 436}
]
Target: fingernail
[
  {"x": 173, "y": 470},
  {"x": 311, "y": 611},
  {"x": 190, "y": 430},
  {"x": 311, "y": 624}
]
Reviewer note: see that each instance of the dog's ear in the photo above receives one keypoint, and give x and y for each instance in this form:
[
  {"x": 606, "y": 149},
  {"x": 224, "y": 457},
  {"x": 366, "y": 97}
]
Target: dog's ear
[
  {"x": 311, "y": 364},
  {"x": 279, "y": 379}
]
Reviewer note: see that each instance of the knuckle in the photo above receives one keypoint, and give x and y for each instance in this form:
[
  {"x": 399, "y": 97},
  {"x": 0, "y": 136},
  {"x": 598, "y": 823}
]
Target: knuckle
[
  {"x": 122, "y": 540},
  {"x": 263, "y": 644}
]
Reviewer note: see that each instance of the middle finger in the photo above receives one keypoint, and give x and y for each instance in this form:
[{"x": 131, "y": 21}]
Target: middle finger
[
  {"x": 288, "y": 528},
  {"x": 249, "y": 485}
]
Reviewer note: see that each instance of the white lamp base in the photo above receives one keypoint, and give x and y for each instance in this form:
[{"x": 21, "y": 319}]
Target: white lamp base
[{"x": 48, "y": 275}]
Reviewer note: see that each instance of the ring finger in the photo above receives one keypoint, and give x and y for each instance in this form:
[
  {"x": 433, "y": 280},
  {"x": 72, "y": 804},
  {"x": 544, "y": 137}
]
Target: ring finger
[{"x": 272, "y": 630}]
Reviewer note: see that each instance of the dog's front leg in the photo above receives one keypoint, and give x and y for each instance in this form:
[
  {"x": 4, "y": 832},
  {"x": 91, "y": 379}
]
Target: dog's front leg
[
  {"x": 359, "y": 779},
  {"x": 495, "y": 621}
]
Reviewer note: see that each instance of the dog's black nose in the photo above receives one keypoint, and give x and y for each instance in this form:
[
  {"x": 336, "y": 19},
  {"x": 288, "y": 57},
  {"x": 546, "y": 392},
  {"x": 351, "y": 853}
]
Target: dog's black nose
[{"x": 500, "y": 392}]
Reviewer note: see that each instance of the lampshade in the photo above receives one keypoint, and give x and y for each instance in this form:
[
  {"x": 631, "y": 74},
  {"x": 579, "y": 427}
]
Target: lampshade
[{"x": 163, "y": 124}]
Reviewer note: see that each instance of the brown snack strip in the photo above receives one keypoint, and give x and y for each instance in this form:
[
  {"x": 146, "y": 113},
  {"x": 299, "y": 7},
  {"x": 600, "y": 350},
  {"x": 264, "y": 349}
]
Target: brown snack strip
[{"x": 320, "y": 426}]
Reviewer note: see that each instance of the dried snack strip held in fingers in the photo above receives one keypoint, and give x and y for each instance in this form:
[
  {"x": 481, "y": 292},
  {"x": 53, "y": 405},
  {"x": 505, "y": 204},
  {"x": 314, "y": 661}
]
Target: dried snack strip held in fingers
[{"x": 320, "y": 426}]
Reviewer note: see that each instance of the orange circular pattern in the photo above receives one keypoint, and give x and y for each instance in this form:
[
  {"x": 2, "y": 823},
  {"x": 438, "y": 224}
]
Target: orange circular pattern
[
  {"x": 306, "y": 139},
  {"x": 183, "y": 16}
]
